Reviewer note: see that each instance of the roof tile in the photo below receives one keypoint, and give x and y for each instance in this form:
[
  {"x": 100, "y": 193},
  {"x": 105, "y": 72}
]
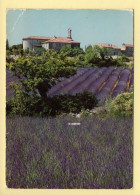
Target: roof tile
[
  {"x": 52, "y": 39},
  {"x": 108, "y": 45}
]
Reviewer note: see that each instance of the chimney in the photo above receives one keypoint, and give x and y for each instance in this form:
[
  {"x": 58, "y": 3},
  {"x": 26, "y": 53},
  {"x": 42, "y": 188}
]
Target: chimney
[{"x": 69, "y": 34}]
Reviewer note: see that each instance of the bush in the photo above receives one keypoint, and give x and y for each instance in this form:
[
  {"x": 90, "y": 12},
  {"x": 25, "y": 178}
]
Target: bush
[
  {"x": 67, "y": 103},
  {"x": 124, "y": 58},
  {"x": 24, "y": 105},
  {"x": 38, "y": 51},
  {"x": 102, "y": 63},
  {"x": 71, "y": 52},
  {"x": 122, "y": 105},
  {"x": 70, "y": 103},
  {"x": 81, "y": 57}
]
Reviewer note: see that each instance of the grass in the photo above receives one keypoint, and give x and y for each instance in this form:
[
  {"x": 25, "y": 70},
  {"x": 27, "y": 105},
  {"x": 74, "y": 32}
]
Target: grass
[{"x": 49, "y": 153}]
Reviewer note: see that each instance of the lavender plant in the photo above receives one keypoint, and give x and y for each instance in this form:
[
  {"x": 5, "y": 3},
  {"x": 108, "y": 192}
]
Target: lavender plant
[{"x": 49, "y": 153}]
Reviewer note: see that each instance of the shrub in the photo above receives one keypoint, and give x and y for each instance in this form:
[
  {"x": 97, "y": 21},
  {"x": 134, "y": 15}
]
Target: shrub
[
  {"x": 67, "y": 103},
  {"x": 23, "y": 104},
  {"x": 131, "y": 89},
  {"x": 122, "y": 105},
  {"x": 39, "y": 51},
  {"x": 75, "y": 104},
  {"x": 81, "y": 57},
  {"x": 102, "y": 63},
  {"x": 124, "y": 58},
  {"x": 71, "y": 52}
]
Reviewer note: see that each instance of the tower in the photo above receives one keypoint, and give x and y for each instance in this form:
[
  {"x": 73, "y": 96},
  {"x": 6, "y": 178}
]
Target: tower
[{"x": 69, "y": 34}]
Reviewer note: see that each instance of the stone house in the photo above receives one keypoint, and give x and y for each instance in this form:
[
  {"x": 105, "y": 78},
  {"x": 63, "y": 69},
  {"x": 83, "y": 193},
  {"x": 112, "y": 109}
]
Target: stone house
[
  {"x": 56, "y": 43},
  {"x": 113, "y": 49},
  {"x": 127, "y": 49},
  {"x": 33, "y": 42}
]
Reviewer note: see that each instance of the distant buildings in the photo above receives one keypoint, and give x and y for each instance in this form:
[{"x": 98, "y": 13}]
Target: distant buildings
[
  {"x": 57, "y": 43},
  {"x": 126, "y": 49}
]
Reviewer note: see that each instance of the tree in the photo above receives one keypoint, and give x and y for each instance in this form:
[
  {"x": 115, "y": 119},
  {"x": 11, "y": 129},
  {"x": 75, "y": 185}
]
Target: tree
[
  {"x": 39, "y": 51},
  {"x": 71, "y": 52},
  {"x": 91, "y": 55},
  {"x": 7, "y": 44},
  {"x": 38, "y": 74},
  {"x": 14, "y": 49},
  {"x": 103, "y": 51},
  {"x": 96, "y": 54},
  {"x": 77, "y": 51}
]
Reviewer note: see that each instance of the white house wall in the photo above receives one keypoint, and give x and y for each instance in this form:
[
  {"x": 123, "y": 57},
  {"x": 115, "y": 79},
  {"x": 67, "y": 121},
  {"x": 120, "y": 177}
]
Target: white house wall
[
  {"x": 45, "y": 45},
  {"x": 27, "y": 44},
  {"x": 31, "y": 43}
]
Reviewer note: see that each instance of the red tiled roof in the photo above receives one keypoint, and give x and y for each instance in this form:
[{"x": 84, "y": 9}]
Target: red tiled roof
[
  {"x": 108, "y": 45},
  {"x": 61, "y": 40},
  {"x": 38, "y": 37},
  {"x": 128, "y": 45},
  {"x": 52, "y": 39}
]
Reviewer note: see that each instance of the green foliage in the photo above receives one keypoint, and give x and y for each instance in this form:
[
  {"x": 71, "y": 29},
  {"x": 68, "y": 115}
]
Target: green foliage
[
  {"x": 91, "y": 56},
  {"x": 40, "y": 51},
  {"x": 71, "y": 52},
  {"x": 99, "y": 56},
  {"x": 81, "y": 57},
  {"x": 123, "y": 58},
  {"x": 131, "y": 89},
  {"x": 74, "y": 104},
  {"x": 122, "y": 105},
  {"x": 27, "y": 51},
  {"x": 38, "y": 74},
  {"x": 14, "y": 49},
  {"x": 103, "y": 51},
  {"x": 120, "y": 61},
  {"x": 131, "y": 65},
  {"x": 77, "y": 51},
  {"x": 25, "y": 105},
  {"x": 96, "y": 55}
]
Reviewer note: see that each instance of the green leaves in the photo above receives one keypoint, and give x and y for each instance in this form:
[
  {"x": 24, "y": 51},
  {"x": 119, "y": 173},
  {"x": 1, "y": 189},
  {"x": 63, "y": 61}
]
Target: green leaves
[
  {"x": 95, "y": 54},
  {"x": 71, "y": 52},
  {"x": 41, "y": 72},
  {"x": 122, "y": 105},
  {"x": 37, "y": 74}
]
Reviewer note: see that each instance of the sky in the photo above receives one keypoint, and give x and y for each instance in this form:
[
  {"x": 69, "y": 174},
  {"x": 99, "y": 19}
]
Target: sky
[{"x": 88, "y": 26}]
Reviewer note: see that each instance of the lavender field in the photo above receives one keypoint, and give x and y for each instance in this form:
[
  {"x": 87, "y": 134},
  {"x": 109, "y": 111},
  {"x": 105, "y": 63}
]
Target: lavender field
[
  {"x": 49, "y": 153},
  {"x": 102, "y": 82}
]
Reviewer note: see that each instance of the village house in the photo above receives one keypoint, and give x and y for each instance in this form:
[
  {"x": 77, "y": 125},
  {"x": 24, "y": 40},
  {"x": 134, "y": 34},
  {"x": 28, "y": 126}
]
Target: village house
[
  {"x": 113, "y": 49},
  {"x": 56, "y": 43},
  {"x": 126, "y": 49}
]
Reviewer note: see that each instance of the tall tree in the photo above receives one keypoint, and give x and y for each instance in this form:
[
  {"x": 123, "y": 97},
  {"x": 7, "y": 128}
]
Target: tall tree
[
  {"x": 7, "y": 44},
  {"x": 38, "y": 74}
]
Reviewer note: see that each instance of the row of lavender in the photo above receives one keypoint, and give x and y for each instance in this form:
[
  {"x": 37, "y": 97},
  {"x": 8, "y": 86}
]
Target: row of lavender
[
  {"x": 69, "y": 85},
  {"x": 101, "y": 82}
]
